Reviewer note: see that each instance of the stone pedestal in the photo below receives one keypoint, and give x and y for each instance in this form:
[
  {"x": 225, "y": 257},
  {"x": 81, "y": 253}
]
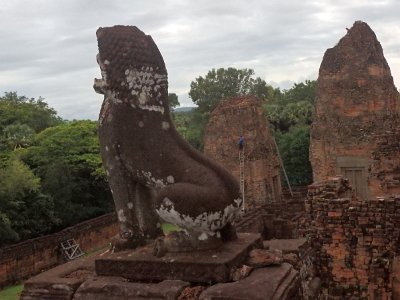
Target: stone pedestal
[
  {"x": 201, "y": 266},
  {"x": 137, "y": 274}
]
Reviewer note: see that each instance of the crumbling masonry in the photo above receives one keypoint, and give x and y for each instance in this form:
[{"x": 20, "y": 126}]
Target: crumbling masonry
[
  {"x": 354, "y": 131},
  {"x": 353, "y": 220},
  {"x": 238, "y": 116}
]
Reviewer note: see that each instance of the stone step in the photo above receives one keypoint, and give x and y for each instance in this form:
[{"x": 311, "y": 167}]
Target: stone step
[
  {"x": 270, "y": 283},
  {"x": 117, "y": 288}
]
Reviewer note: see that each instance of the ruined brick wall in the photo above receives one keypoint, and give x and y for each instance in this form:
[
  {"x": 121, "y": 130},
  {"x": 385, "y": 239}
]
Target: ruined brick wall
[
  {"x": 278, "y": 220},
  {"x": 31, "y": 257},
  {"x": 355, "y": 241},
  {"x": 385, "y": 164},
  {"x": 244, "y": 116},
  {"x": 356, "y": 105}
]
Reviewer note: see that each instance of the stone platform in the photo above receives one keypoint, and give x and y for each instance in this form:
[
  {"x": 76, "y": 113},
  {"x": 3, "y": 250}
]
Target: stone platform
[
  {"x": 77, "y": 280},
  {"x": 61, "y": 282},
  {"x": 201, "y": 266}
]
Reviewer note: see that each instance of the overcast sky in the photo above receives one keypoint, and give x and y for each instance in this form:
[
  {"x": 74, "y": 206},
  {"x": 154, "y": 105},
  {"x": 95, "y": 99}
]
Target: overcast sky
[{"x": 48, "y": 47}]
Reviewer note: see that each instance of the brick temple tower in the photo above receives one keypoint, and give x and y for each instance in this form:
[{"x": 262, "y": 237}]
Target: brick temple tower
[
  {"x": 356, "y": 118},
  {"x": 244, "y": 116}
]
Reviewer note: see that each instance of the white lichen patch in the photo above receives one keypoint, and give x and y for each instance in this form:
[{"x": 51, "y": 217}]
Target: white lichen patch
[
  {"x": 121, "y": 216},
  {"x": 130, "y": 205},
  {"x": 165, "y": 125},
  {"x": 99, "y": 84},
  {"x": 102, "y": 66},
  {"x": 110, "y": 98},
  {"x": 109, "y": 118},
  {"x": 238, "y": 201},
  {"x": 155, "y": 108},
  {"x": 146, "y": 85},
  {"x": 207, "y": 222},
  {"x": 143, "y": 98},
  {"x": 141, "y": 124},
  {"x": 170, "y": 179},
  {"x": 107, "y": 149},
  {"x": 203, "y": 236},
  {"x": 158, "y": 183},
  {"x": 167, "y": 202},
  {"x": 150, "y": 180}
]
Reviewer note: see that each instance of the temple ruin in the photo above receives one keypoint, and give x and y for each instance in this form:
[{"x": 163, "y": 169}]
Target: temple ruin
[
  {"x": 154, "y": 173},
  {"x": 244, "y": 116},
  {"x": 356, "y": 116},
  {"x": 340, "y": 241},
  {"x": 353, "y": 218}
]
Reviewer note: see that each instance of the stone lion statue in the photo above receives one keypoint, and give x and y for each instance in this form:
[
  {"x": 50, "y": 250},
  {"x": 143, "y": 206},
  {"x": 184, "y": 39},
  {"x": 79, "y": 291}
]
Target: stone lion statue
[{"x": 153, "y": 173}]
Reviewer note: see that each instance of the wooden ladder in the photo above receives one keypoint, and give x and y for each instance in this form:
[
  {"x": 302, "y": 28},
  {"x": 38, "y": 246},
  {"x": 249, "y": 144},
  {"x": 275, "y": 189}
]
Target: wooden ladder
[{"x": 241, "y": 176}]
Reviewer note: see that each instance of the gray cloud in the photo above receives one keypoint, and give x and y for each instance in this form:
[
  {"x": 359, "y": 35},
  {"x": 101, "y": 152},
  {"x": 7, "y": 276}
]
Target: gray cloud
[{"x": 49, "y": 47}]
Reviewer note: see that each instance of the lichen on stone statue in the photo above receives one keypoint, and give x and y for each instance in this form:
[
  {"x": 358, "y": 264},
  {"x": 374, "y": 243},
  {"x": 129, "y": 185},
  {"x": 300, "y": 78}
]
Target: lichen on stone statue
[{"x": 151, "y": 170}]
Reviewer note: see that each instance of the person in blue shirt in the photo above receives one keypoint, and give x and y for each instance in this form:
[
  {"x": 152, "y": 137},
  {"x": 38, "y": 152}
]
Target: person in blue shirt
[{"x": 241, "y": 142}]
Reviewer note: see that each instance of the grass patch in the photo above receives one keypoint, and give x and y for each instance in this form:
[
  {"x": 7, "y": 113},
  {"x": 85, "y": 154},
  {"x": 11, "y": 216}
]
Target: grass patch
[
  {"x": 96, "y": 251},
  {"x": 167, "y": 227},
  {"x": 11, "y": 292}
]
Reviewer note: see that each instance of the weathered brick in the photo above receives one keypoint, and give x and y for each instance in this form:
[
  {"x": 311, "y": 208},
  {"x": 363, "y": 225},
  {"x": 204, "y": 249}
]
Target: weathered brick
[{"x": 261, "y": 163}]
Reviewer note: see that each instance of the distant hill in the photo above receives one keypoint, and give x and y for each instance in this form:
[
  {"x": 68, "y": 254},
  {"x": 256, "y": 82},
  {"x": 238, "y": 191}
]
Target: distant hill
[{"x": 184, "y": 109}]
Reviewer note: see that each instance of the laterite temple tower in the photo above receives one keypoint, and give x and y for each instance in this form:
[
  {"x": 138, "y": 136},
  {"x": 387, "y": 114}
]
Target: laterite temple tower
[
  {"x": 355, "y": 131},
  {"x": 238, "y": 116}
]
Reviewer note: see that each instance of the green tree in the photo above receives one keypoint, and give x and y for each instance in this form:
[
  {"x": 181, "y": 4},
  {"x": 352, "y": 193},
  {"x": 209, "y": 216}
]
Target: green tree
[
  {"x": 67, "y": 159},
  {"x": 25, "y": 211},
  {"x": 283, "y": 117},
  {"x": 22, "y": 110},
  {"x": 293, "y": 147},
  {"x": 292, "y": 107},
  {"x": 7, "y": 234},
  {"x": 190, "y": 126},
  {"x": 17, "y": 181},
  {"x": 290, "y": 113},
  {"x": 216, "y": 85},
  {"x": 17, "y": 135},
  {"x": 173, "y": 101},
  {"x": 223, "y": 83},
  {"x": 304, "y": 91}
]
